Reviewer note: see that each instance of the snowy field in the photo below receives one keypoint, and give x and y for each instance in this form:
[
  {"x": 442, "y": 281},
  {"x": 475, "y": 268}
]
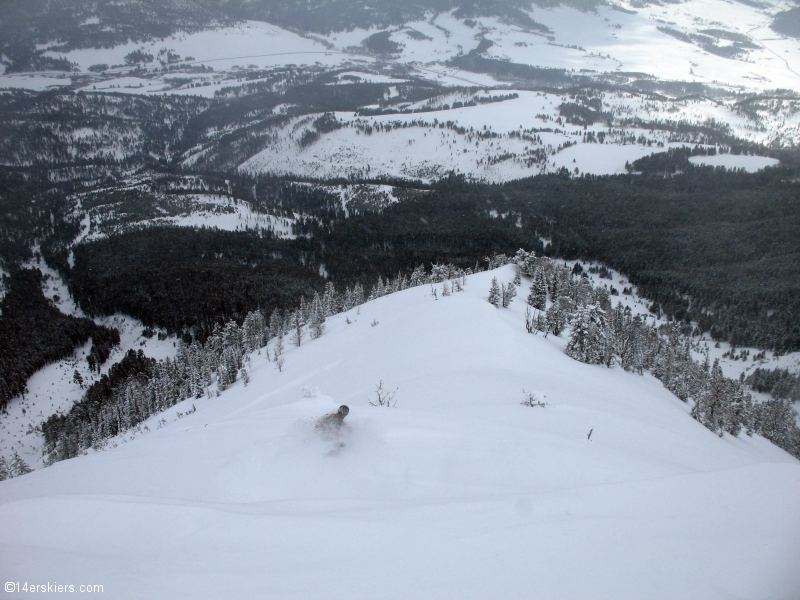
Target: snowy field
[
  {"x": 457, "y": 491},
  {"x": 223, "y": 48},
  {"x": 516, "y": 138}
]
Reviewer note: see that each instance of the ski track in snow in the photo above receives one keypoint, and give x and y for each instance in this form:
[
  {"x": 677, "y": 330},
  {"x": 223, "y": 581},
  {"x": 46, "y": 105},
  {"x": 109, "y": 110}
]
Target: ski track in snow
[{"x": 459, "y": 491}]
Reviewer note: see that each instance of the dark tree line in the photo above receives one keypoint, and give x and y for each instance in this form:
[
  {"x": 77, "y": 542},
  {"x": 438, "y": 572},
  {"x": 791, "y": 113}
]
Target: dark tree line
[
  {"x": 778, "y": 383},
  {"x": 189, "y": 280},
  {"x": 715, "y": 248}
]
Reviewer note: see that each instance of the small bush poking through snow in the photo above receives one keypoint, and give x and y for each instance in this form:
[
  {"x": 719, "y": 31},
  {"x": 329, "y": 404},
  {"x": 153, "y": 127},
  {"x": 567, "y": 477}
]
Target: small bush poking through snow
[
  {"x": 532, "y": 399},
  {"x": 383, "y": 397}
]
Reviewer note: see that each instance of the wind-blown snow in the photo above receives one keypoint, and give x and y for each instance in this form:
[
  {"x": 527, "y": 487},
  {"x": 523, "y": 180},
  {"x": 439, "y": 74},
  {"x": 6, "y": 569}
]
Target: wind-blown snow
[{"x": 458, "y": 491}]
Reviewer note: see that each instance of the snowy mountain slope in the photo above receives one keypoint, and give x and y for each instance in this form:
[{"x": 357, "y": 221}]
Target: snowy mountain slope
[{"x": 458, "y": 491}]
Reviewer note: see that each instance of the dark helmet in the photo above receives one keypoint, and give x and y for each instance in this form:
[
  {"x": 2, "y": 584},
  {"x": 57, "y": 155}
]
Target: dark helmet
[{"x": 343, "y": 411}]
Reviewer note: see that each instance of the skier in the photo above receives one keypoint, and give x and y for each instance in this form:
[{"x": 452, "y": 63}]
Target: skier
[
  {"x": 331, "y": 424},
  {"x": 330, "y": 427}
]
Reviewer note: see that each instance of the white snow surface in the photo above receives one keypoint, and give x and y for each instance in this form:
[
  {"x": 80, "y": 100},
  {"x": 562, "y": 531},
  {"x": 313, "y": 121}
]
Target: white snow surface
[{"x": 458, "y": 491}]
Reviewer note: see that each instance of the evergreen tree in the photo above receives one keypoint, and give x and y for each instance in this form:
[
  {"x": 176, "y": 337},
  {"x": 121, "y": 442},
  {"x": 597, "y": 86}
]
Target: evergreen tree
[
  {"x": 418, "y": 276},
  {"x": 509, "y": 291},
  {"x": 276, "y": 324},
  {"x": 537, "y": 297},
  {"x": 19, "y": 466},
  {"x": 724, "y": 406},
  {"x": 253, "y": 331},
  {"x": 495, "y": 297},
  {"x": 358, "y": 294},
  {"x": 587, "y": 341},
  {"x": 4, "y": 474},
  {"x": 775, "y": 419},
  {"x": 317, "y": 323},
  {"x": 558, "y": 315},
  {"x": 296, "y": 335},
  {"x": 331, "y": 301}
]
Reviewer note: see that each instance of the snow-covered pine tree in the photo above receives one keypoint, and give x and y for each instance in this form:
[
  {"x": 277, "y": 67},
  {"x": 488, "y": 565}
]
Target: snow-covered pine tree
[
  {"x": 4, "y": 474},
  {"x": 712, "y": 408},
  {"x": 253, "y": 331},
  {"x": 775, "y": 419},
  {"x": 276, "y": 324},
  {"x": 19, "y": 466},
  {"x": 231, "y": 364},
  {"x": 495, "y": 297},
  {"x": 439, "y": 273},
  {"x": 508, "y": 293},
  {"x": 331, "y": 300},
  {"x": 587, "y": 340},
  {"x": 740, "y": 410},
  {"x": 418, "y": 276},
  {"x": 358, "y": 294},
  {"x": 232, "y": 335},
  {"x": 317, "y": 322},
  {"x": 296, "y": 321},
  {"x": 378, "y": 289},
  {"x": 558, "y": 314},
  {"x": 537, "y": 297}
]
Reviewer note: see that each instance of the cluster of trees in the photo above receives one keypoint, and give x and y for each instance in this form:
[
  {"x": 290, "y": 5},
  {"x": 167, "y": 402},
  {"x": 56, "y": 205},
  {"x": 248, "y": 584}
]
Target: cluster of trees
[
  {"x": 190, "y": 280},
  {"x": 17, "y": 467},
  {"x": 602, "y": 334},
  {"x": 778, "y": 383},
  {"x": 34, "y": 333},
  {"x": 49, "y": 129},
  {"x": 139, "y": 387}
]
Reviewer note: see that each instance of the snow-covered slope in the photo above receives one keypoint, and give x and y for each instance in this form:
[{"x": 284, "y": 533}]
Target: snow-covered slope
[{"x": 457, "y": 491}]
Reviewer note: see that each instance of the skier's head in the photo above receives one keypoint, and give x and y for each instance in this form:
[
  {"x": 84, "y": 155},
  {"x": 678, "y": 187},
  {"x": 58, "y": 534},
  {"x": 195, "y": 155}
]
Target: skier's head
[{"x": 343, "y": 411}]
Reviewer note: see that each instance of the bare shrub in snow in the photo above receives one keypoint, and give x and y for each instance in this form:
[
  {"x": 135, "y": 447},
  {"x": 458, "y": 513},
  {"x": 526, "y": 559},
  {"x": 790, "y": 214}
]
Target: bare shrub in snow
[{"x": 383, "y": 397}]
